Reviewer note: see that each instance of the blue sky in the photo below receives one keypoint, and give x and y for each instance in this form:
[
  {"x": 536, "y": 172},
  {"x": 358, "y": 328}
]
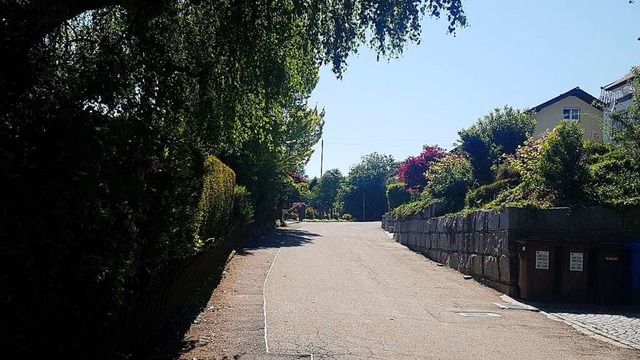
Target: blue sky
[{"x": 519, "y": 53}]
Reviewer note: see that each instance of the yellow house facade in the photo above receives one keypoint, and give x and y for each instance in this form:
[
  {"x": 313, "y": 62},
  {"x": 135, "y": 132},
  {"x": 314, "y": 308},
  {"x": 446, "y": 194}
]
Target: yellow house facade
[{"x": 574, "y": 105}]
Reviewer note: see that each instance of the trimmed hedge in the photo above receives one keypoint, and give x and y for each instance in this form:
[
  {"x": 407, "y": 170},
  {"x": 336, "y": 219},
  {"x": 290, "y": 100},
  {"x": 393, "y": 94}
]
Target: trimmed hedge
[
  {"x": 413, "y": 208},
  {"x": 216, "y": 202},
  {"x": 92, "y": 229}
]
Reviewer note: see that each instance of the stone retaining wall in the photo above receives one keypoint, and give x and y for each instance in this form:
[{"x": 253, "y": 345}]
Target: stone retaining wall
[{"x": 483, "y": 243}]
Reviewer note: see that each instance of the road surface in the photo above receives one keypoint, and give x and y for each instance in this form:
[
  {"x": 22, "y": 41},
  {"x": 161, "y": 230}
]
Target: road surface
[{"x": 347, "y": 291}]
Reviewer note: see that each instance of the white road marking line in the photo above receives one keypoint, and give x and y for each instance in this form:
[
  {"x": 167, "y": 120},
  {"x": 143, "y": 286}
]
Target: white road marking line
[{"x": 264, "y": 297}]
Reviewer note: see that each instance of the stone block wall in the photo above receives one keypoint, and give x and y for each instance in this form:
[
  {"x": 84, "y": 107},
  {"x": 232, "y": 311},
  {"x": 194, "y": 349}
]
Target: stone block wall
[
  {"x": 475, "y": 244},
  {"x": 483, "y": 243}
]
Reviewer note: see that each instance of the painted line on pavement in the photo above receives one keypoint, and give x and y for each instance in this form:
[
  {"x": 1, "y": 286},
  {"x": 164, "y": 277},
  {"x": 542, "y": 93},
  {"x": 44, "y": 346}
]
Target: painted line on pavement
[
  {"x": 264, "y": 296},
  {"x": 264, "y": 299}
]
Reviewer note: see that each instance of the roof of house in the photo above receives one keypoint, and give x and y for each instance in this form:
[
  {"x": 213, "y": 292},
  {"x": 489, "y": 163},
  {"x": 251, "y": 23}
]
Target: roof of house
[
  {"x": 618, "y": 82},
  {"x": 577, "y": 92}
]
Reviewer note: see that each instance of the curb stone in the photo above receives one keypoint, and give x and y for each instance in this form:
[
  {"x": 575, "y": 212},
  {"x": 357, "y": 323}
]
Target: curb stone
[{"x": 581, "y": 327}]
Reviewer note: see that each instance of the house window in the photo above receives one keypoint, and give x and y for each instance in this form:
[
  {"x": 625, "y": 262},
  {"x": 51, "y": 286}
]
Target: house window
[{"x": 571, "y": 114}]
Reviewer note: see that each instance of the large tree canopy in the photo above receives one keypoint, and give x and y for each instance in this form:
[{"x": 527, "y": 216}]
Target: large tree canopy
[
  {"x": 330, "y": 29},
  {"x": 108, "y": 109},
  {"x": 499, "y": 132},
  {"x": 365, "y": 194},
  {"x": 325, "y": 194}
]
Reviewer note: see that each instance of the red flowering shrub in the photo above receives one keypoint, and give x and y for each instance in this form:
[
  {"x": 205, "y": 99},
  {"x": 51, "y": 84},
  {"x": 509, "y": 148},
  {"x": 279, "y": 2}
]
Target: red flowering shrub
[{"x": 411, "y": 171}]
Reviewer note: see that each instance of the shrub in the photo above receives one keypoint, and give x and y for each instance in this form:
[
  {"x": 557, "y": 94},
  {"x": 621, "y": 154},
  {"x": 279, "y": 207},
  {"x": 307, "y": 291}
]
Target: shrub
[
  {"x": 397, "y": 195},
  {"x": 311, "y": 213},
  {"x": 614, "y": 179},
  {"x": 347, "y": 217},
  {"x": 242, "y": 206},
  {"x": 485, "y": 194},
  {"x": 560, "y": 167},
  {"x": 413, "y": 208},
  {"x": 506, "y": 171},
  {"x": 525, "y": 162},
  {"x": 551, "y": 168},
  {"x": 298, "y": 210},
  {"x": 448, "y": 179},
  {"x": 216, "y": 202},
  {"x": 526, "y": 159},
  {"x": 593, "y": 149},
  {"x": 411, "y": 171}
]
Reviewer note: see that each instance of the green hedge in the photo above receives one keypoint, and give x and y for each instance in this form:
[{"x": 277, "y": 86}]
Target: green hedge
[
  {"x": 412, "y": 208},
  {"x": 216, "y": 202},
  {"x": 94, "y": 227},
  {"x": 242, "y": 206}
]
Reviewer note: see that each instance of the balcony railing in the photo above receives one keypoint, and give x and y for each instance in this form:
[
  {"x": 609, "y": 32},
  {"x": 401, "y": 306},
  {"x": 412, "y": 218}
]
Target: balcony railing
[{"x": 609, "y": 97}]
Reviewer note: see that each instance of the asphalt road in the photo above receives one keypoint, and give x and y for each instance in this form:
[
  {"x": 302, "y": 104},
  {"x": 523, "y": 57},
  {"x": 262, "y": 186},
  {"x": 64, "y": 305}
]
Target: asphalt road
[{"x": 348, "y": 291}]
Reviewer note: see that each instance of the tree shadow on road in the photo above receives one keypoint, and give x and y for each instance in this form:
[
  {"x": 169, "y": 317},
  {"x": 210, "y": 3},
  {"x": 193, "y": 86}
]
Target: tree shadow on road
[
  {"x": 276, "y": 239},
  {"x": 173, "y": 343}
]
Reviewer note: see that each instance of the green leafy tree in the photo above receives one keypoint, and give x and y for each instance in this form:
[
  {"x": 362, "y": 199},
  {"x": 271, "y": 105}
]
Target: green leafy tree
[
  {"x": 330, "y": 30},
  {"x": 262, "y": 164},
  {"x": 112, "y": 137},
  {"x": 448, "y": 180},
  {"x": 303, "y": 194},
  {"x": 499, "y": 132},
  {"x": 326, "y": 192},
  {"x": 561, "y": 166},
  {"x": 551, "y": 169},
  {"x": 108, "y": 110},
  {"x": 364, "y": 196}
]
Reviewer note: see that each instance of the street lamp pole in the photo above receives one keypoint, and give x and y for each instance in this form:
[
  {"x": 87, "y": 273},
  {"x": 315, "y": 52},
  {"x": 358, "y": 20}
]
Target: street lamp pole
[{"x": 321, "y": 156}]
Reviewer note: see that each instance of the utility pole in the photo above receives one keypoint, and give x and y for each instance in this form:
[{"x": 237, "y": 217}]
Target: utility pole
[
  {"x": 321, "y": 156},
  {"x": 363, "y": 216}
]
